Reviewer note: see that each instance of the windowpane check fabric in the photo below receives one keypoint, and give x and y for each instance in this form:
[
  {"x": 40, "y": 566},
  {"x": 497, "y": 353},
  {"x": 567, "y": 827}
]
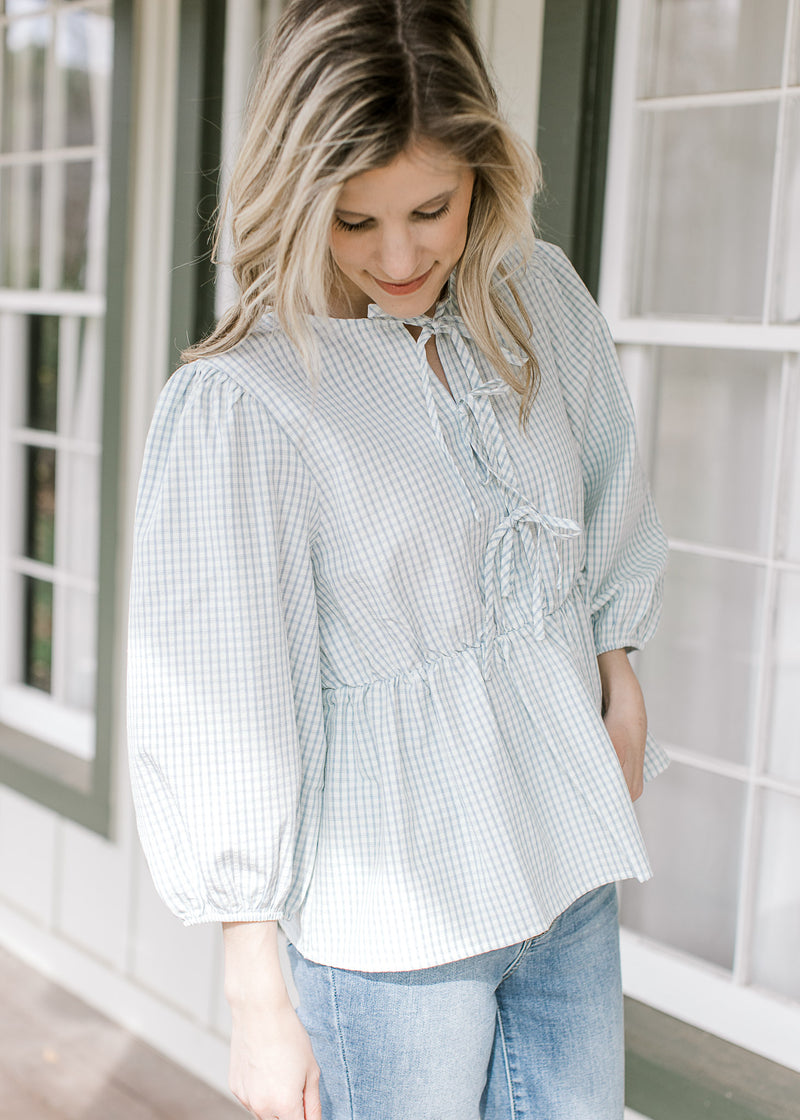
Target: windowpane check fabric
[{"x": 363, "y": 687}]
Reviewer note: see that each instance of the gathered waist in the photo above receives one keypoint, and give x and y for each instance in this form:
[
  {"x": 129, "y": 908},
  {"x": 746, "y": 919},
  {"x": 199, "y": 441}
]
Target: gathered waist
[{"x": 481, "y": 652}]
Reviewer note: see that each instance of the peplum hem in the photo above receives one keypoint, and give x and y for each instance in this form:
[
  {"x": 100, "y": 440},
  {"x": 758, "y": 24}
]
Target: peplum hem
[{"x": 523, "y": 824}]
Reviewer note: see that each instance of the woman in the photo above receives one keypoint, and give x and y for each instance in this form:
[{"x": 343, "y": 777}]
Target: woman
[{"x": 393, "y": 542}]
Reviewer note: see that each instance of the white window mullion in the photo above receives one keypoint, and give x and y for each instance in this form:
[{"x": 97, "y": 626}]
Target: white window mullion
[{"x": 770, "y": 296}]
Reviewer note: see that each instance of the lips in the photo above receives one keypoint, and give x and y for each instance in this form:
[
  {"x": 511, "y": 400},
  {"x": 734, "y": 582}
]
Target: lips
[{"x": 404, "y": 289}]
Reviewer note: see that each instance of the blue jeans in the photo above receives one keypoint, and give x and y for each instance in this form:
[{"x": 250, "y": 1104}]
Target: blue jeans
[{"x": 530, "y": 1032}]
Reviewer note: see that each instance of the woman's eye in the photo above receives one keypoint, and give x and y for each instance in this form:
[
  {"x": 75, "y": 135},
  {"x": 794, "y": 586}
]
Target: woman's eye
[
  {"x": 349, "y": 227},
  {"x": 432, "y": 215}
]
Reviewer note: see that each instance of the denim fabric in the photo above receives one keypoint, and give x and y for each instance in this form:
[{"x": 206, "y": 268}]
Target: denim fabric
[{"x": 530, "y": 1032}]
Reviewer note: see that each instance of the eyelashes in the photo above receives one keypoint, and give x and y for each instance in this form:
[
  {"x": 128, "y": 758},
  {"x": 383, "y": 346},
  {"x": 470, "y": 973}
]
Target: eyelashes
[{"x": 419, "y": 215}]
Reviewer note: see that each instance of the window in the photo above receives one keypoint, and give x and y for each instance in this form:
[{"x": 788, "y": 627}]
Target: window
[
  {"x": 701, "y": 284},
  {"x": 56, "y": 69}
]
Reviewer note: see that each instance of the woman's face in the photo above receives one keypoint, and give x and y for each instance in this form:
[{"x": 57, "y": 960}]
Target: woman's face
[{"x": 398, "y": 232}]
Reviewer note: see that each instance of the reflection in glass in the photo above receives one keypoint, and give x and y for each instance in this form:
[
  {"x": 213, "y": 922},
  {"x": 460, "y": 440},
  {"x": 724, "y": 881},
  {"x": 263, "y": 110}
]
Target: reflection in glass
[
  {"x": 776, "y": 936},
  {"x": 84, "y": 56},
  {"x": 24, "y": 58},
  {"x": 79, "y": 497},
  {"x": 80, "y": 662},
  {"x": 40, "y": 537},
  {"x": 784, "y": 743},
  {"x": 699, "y": 672},
  {"x": 38, "y": 633},
  {"x": 77, "y": 205},
  {"x": 787, "y": 295},
  {"x": 691, "y": 902},
  {"x": 85, "y": 404},
  {"x": 704, "y": 211},
  {"x": 716, "y": 435},
  {"x": 706, "y": 46},
  {"x": 42, "y": 372},
  {"x": 789, "y": 509},
  {"x": 20, "y": 226}
]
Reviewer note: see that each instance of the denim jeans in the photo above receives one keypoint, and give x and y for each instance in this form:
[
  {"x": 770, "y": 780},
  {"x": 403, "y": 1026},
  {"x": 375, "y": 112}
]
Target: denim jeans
[{"x": 529, "y": 1032}]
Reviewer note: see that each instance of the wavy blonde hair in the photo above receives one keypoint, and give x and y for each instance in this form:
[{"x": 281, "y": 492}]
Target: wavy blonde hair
[{"x": 346, "y": 86}]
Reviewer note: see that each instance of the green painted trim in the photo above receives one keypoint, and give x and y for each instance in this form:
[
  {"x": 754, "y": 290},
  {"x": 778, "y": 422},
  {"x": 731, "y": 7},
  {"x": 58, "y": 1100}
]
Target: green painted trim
[
  {"x": 574, "y": 114},
  {"x": 676, "y": 1072},
  {"x": 82, "y": 791},
  {"x": 197, "y": 157}
]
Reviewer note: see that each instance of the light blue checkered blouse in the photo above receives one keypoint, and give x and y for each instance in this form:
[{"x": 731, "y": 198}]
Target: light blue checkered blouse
[{"x": 363, "y": 687}]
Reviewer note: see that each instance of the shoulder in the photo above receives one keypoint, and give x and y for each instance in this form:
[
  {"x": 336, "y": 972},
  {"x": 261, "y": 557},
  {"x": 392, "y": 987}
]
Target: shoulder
[{"x": 549, "y": 285}]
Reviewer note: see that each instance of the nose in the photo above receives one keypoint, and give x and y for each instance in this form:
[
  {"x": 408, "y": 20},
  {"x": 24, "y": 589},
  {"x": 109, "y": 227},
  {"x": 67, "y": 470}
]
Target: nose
[{"x": 397, "y": 255}]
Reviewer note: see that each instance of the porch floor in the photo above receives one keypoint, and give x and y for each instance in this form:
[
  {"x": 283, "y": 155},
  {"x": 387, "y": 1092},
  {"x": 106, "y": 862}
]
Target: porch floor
[{"x": 62, "y": 1060}]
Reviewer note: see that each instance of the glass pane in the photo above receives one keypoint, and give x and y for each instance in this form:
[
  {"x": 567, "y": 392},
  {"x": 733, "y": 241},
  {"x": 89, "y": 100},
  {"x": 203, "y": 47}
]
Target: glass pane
[
  {"x": 705, "y": 46},
  {"x": 789, "y": 513},
  {"x": 38, "y": 633},
  {"x": 80, "y": 663},
  {"x": 42, "y": 372},
  {"x": 79, "y": 498},
  {"x": 776, "y": 937},
  {"x": 77, "y": 207},
  {"x": 716, "y": 433},
  {"x": 704, "y": 234},
  {"x": 784, "y": 743},
  {"x": 20, "y": 226},
  {"x": 787, "y": 294},
  {"x": 699, "y": 672},
  {"x": 24, "y": 62},
  {"x": 41, "y": 504},
  {"x": 691, "y": 901},
  {"x": 85, "y": 404},
  {"x": 84, "y": 49}
]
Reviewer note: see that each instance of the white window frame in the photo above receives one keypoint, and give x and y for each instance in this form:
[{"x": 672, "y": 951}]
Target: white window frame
[
  {"x": 686, "y": 987},
  {"x": 48, "y": 717}
]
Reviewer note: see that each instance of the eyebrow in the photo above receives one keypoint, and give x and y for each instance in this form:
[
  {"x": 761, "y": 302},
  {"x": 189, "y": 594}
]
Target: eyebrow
[{"x": 439, "y": 199}]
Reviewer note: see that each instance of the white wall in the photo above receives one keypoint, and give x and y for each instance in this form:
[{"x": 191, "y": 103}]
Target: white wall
[{"x": 79, "y": 908}]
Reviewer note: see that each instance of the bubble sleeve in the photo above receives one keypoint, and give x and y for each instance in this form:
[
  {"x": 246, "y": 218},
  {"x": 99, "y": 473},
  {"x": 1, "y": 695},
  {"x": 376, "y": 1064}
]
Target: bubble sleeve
[{"x": 224, "y": 705}]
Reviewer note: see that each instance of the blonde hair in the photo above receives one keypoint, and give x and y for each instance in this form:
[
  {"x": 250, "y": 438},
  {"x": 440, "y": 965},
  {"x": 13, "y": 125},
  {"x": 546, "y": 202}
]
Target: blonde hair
[{"x": 346, "y": 86}]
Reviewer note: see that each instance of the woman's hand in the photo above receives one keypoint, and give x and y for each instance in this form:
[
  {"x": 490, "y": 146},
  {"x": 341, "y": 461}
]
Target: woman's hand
[
  {"x": 273, "y": 1071},
  {"x": 624, "y": 716}
]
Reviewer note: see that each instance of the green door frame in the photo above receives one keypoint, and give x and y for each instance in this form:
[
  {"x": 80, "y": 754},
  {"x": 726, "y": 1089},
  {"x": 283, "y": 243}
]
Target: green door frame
[{"x": 574, "y": 113}]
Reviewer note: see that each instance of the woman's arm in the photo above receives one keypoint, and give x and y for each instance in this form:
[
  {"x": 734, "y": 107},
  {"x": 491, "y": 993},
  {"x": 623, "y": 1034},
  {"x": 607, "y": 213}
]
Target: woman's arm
[
  {"x": 273, "y": 1071},
  {"x": 624, "y": 715}
]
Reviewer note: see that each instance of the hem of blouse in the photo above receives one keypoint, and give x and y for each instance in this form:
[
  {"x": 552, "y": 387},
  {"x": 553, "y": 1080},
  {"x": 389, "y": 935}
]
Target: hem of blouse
[
  {"x": 626, "y": 642},
  {"x": 464, "y": 950},
  {"x": 206, "y": 916}
]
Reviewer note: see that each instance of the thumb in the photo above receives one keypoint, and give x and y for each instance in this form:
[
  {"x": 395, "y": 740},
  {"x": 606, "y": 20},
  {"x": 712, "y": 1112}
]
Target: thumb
[{"x": 311, "y": 1101}]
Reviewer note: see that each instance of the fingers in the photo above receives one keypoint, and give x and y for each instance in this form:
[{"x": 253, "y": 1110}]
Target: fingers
[{"x": 311, "y": 1100}]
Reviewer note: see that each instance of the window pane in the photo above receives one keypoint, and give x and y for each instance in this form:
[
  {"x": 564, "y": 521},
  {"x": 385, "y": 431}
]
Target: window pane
[
  {"x": 42, "y": 372},
  {"x": 704, "y": 235},
  {"x": 24, "y": 59},
  {"x": 691, "y": 902},
  {"x": 776, "y": 961},
  {"x": 41, "y": 504},
  {"x": 715, "y": 440},
  {"x": 38, "y": 633},
  {"x": 789, "y": 519},
  {"x": 20, "y": 226},
  {"x": 787, "y": 301},
  {"x": 84, "y": 53},
  {"x": 699, "y": 671},
  {"x": 784, "y": 743},
  {"x": 80, "y": 666},
  {"x": 85, "y": 401},
  {"x": 77, "y": 208},
  {"x": 704, "y": 46},
  {"x": 79, "y": 498}
]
